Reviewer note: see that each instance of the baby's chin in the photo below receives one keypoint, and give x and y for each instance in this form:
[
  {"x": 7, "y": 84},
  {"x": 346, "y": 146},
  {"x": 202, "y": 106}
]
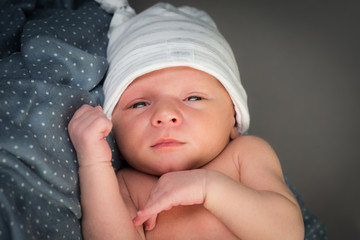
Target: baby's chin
[{"x": 161, "y": 170}]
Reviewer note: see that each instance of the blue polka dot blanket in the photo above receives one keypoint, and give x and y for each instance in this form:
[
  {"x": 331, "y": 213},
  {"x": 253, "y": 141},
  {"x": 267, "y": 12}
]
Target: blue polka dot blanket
[{"x": 52, "y": 60}]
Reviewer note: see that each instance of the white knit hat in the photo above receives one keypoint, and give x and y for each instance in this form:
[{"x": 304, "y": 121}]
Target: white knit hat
[{"x": 165, "y": 36}]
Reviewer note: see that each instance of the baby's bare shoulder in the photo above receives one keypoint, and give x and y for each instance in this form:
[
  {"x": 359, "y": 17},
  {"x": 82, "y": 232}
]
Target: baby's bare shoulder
[
  {"x": 247, "y": 157},
  {"x": 228, "y": 161},
  {"x": 249, "y": 149},
  {"x": 250, "y": 141},
  {"x": 259, "y": 165},
  {"x": 253, "y": 150}
]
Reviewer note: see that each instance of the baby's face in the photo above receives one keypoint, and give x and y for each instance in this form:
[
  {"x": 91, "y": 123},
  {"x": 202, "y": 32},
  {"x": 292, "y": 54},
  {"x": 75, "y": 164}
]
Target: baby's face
[{"x": 173, "y": 119}]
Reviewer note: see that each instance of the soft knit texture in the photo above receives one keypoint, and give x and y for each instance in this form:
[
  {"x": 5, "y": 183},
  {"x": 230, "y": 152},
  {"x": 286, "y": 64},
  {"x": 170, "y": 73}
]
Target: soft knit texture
[{"x": 166, "y": 36}]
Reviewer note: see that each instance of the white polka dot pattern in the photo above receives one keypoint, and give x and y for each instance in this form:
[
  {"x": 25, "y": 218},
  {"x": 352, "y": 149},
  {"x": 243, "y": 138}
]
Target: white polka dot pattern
[{"x": 50, "y": 65}]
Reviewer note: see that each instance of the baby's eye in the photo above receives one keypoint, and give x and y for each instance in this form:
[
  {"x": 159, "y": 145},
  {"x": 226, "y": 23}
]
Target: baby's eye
[
  {"x": 139, "y": 105},
  {"x": 193, "y": 98}
]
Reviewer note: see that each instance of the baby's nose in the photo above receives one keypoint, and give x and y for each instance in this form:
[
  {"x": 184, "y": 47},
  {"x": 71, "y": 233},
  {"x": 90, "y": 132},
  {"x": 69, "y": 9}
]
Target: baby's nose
[
  {"x": 170, "y": 121},
  {"x": 166, "y": 113}
]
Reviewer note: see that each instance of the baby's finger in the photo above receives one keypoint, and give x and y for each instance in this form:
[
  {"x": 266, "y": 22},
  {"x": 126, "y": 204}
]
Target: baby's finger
[
  {"x": 140, "y": 219},
  {"x": 89, "y": 115},
  {"x": 150, "y": 223},
  {"x": 99, "y": 107},
  {"x": 149, "y": 220},
  {"x": 151, "y": 211},
  {"x": 143, "y": 216},
  {"x": 84, "y": 108}
]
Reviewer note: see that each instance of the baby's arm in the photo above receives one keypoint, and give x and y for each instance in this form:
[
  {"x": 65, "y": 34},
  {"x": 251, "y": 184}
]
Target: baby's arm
[
  {"x": 261, "y": 206},
  {"x": 257, "y": 206},
  {"x": 105, "y": 215}
]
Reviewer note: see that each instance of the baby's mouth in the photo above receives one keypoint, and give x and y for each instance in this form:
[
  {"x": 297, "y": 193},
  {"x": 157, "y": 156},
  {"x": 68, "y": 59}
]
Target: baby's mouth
[{"x": 167, "y": 143}]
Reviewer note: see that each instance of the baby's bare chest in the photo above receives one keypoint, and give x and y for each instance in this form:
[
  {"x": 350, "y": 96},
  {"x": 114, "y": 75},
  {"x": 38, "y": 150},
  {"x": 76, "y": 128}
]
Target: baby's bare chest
[
  {"x": 182, "y": 222},
  {"x": 189, "y": 222}
]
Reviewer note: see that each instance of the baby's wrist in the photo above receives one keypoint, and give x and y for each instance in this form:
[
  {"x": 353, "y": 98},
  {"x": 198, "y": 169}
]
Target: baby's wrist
[
  {"x": 213, "y": 180},
  {"x": 94, "y": 164},
  {"x": 91, "y": 161}
]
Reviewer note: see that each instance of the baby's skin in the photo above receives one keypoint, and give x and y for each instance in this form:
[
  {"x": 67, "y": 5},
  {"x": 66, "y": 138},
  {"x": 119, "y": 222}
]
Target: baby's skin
[{"x": 191, "y": 175}]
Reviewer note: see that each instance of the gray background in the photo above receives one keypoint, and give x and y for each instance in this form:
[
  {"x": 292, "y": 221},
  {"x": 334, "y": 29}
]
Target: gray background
[{"x": 299, "y": 62}]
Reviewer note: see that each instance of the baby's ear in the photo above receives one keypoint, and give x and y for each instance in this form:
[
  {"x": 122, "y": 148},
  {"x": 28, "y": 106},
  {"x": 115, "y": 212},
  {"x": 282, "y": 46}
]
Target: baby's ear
[{"x": 234, "y": 133}]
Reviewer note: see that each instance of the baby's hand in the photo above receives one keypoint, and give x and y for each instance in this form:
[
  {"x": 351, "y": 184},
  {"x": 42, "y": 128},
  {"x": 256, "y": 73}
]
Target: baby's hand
[
  {"x": 87, "y": 129},
  {"x": 173, "y": 189}
]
